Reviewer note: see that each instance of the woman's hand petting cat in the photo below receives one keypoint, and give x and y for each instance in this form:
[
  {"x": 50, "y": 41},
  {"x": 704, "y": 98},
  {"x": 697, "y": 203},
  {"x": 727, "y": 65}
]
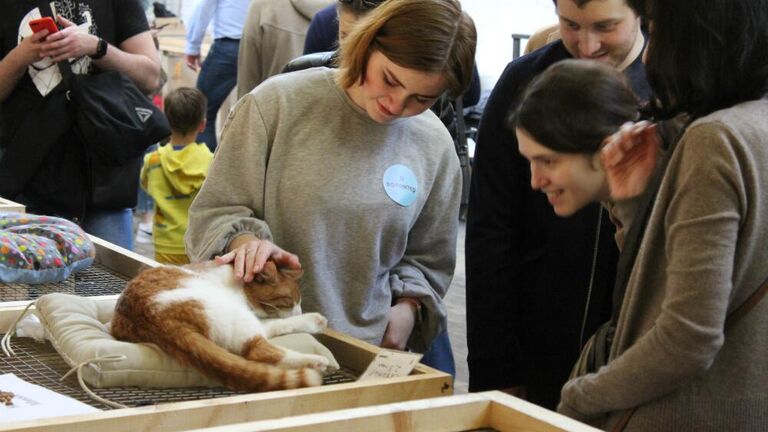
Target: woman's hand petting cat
[
  {"x": 629, "y": 158},
  {"x": 402, "y": 318},
  {"x": 248, "y": 255}
]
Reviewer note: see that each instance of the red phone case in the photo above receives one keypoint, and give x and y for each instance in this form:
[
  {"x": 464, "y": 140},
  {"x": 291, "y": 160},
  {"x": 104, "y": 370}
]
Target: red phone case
[{"x": 44, "y": 23}]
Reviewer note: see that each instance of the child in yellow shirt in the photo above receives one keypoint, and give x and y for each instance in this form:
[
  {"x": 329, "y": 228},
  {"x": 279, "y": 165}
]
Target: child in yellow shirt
[{"x": 173, "y": 174}]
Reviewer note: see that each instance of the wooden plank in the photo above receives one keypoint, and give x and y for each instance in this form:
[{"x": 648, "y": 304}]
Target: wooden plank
[
  {"x": 10, "y": 206},
  {"x": 454, "y": 413},
  {"x": 120, "y": 260},
  {"x": 246, "y": 408},
  {"x": 508, "y": 413}
]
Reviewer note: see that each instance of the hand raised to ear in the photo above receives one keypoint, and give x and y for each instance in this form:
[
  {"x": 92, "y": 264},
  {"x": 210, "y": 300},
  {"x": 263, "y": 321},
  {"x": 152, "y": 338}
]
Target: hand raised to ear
[{"x": 629, "y": 158}]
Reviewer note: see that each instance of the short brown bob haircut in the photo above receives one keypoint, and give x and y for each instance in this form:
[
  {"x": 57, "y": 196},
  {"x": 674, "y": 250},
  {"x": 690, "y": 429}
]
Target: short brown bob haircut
[{"x": 423, "y": 35}]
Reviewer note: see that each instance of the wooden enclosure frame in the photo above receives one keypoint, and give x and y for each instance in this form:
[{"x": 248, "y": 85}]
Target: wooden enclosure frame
[
  {"x": 423, "y": 382},
  {"x": 10, "y": 206},
  {"x": 494, "y": 409}
]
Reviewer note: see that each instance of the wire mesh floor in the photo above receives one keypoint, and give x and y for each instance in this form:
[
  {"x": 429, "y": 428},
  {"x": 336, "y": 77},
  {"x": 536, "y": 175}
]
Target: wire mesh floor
[
  {"x": 39, "y": 363},
  {"x": 95, "y": 280}
]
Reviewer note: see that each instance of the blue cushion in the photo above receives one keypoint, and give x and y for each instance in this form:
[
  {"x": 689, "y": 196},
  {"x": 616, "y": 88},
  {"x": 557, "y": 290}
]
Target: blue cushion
[{"x": 41, "y": 249}]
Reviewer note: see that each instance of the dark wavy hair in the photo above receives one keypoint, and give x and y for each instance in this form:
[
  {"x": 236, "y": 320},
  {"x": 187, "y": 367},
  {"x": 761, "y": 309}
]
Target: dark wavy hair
[
  {"x": 573, "y": 105},
  {"x": 704, "y": 56}
]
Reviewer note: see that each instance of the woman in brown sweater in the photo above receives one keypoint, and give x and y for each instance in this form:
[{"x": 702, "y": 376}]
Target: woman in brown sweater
[{"x": 702, "y": 255}]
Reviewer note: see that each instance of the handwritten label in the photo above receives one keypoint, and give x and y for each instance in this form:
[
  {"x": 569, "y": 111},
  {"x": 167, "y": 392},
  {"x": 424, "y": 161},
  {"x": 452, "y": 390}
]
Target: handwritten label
[{"x": 391, "y": 364}]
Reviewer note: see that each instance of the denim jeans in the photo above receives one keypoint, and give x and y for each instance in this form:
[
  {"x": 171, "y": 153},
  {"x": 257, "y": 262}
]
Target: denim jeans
[
  {"x": 218, "y": 76},
  {"x": 440, "y": 355},
  {"x": 114, "y": 226}
]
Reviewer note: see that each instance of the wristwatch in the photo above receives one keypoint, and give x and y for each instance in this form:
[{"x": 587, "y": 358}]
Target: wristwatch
[{"x": 101, "y": 50}]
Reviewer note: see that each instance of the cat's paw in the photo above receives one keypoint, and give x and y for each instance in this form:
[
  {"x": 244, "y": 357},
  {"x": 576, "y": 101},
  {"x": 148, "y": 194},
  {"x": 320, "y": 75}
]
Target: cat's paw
[
  {"x": 317, "y": 362},
  {"x": 315, "y": 323},
  {"x": 295, "y": 360}
]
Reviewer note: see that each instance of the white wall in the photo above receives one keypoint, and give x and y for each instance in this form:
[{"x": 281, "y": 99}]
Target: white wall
[{"x": 496, "y": 21}]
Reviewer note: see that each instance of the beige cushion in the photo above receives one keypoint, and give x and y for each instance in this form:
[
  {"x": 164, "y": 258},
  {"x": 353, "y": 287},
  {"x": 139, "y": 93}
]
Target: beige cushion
[{"x": 77, "y": 328}]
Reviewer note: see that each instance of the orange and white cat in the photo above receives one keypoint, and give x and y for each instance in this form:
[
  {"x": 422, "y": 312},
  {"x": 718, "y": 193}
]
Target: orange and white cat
[{"x": 203, "y": 316}]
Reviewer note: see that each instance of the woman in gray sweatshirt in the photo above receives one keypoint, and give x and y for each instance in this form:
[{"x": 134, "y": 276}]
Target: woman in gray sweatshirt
[{"x": 347, "y": 174}]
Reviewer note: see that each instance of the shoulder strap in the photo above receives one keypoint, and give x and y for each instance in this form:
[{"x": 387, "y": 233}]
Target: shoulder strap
[
  {"x": 64, "y": 67},
  {"x": 730, "y": 320},
  {"x": 747, "y": 306},
  {"x": 45, "y": 8}
]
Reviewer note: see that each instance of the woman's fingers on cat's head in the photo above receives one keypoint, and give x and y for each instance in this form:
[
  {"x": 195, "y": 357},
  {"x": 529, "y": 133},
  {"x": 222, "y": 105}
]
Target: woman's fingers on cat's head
[
  {"x": 290, "y": 260},
  {"x": 224, "y": 259},
  {"x": 284, "y": 258}
]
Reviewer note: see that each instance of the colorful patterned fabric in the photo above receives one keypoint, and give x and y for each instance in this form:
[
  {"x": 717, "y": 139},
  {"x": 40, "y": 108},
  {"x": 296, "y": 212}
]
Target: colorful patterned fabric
[{"x": 41, "y": 249}]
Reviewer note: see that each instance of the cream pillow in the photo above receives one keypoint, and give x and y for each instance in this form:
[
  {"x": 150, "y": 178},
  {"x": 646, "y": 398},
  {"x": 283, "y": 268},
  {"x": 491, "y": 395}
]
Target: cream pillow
[{"x": 77, "y": 327}]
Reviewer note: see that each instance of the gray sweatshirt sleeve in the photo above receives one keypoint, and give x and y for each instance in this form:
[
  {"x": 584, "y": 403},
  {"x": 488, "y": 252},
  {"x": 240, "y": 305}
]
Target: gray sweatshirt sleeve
[
  {"x": 700, "y": 210},
  {"x": 231, "y": 201},
  {"x": 426, "y": 269}
]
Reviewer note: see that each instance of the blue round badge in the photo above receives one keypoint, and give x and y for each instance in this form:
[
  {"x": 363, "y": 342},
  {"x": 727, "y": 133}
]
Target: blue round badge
[{"x": 400, "y": 184}]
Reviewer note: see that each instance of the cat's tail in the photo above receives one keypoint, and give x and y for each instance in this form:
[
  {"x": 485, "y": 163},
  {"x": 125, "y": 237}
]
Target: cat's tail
[{"x": 239, "y": 373}]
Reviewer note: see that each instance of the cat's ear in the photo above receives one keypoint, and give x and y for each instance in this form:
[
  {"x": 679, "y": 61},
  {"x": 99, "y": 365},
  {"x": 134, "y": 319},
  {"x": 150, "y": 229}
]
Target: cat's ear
[
  {"x": 267, "y": 274},
  {"x": 294, "y": 274}
]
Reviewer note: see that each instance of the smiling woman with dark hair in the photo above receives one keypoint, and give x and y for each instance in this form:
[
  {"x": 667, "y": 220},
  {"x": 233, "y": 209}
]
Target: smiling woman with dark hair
[
  {"x": 563, "y": 118},
  {"x": 690, "y": 351}
]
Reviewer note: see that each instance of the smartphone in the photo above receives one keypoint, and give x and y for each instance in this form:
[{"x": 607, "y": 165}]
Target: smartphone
[{"x": 44, "y": 23}]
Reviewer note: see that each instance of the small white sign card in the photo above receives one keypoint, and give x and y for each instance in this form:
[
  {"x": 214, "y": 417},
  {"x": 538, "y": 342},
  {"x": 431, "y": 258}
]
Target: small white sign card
[
  {"x": 31, "y": 401},
  {"x": 391, "y": 364}
]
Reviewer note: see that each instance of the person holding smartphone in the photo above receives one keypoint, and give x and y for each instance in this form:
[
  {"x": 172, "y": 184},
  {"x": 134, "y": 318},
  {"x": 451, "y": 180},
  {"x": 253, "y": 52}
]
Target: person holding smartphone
[{"x": 44, "y": 165}]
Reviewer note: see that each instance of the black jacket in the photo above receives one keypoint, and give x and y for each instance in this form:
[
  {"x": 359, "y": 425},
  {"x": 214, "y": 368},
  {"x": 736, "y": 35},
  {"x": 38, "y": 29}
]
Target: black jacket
[{"x": 528, "y": 270}]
